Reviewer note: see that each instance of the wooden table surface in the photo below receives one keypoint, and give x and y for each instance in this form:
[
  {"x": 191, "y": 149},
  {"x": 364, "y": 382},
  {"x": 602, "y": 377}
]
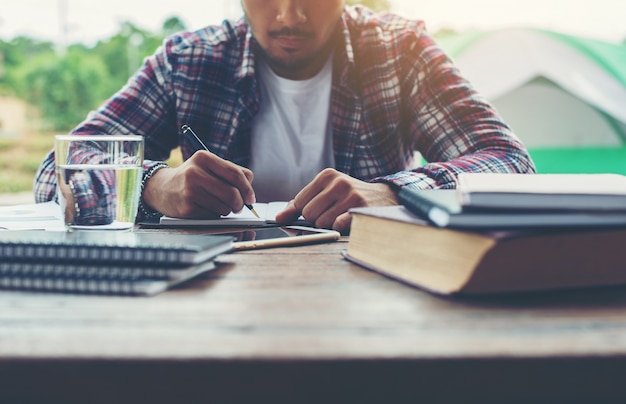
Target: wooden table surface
[{"x": 301, "y": 324}]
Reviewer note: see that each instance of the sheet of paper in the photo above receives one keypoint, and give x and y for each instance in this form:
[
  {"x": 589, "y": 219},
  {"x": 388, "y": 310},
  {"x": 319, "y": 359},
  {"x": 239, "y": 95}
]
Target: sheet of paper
[
  {"x": 266, "y": 211},
  {"x": 40, "y": 216}
]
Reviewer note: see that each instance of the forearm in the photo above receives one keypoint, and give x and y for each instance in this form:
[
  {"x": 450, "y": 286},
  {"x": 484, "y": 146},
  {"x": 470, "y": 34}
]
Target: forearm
[
  {"x": 453, "y": 127},
  {"x": 442, "y": 175},
  {"x": 149, "y": 203},
  {"x": 45, "y": 185}
]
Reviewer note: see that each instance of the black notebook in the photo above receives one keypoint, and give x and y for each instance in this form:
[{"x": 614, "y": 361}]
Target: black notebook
[
  {"x": 443, "y": 208},
  {"x": 68, "y": 277},
  {"x": 111, "y": 247}
]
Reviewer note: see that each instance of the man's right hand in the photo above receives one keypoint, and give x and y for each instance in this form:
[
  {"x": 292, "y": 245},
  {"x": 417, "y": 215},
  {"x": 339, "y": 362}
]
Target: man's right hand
[{"x": 204, "y": 186}]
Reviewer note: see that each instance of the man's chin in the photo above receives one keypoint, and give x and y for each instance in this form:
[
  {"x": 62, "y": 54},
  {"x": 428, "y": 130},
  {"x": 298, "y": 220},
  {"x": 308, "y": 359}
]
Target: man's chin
[{"x": 289, "y": 63}]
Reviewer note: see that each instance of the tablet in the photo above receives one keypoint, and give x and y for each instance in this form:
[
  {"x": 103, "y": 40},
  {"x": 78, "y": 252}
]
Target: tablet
[{"x": 266, "y": 237}]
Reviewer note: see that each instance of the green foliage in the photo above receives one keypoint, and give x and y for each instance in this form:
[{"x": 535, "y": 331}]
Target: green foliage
[
  {"x": 15, "y": 181},
  {"x": 376, "y": 5},
  {"x": 30, "y": 165},
  {"x": 123, "y": 53},
  {"x": 20, "y": 159},
  {"x": 65, "y": 87},
  {"x": 173, "y": 25},
  {"x": 20, "y": 49},
  {"x": 14, "y": 55}
]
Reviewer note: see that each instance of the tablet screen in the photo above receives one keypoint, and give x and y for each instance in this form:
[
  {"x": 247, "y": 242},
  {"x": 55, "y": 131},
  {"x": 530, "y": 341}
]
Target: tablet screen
[{"x": 280, "y": 236}]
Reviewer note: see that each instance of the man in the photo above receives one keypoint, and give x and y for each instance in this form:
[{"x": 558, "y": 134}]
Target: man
[{"x": 302, "y": 100}]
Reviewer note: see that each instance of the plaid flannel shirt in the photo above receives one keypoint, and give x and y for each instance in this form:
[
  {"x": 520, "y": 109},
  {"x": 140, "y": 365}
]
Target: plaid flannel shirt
[{"x": 394, "y": 91}]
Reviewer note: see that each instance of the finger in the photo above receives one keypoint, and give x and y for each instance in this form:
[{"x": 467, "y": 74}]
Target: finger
[
  {"x": 248, "y": 173},
  {"x": 289, "y": 215},
  {"x": 236, "y": 176},
  {"x": 326, "y": 219},
  {"x": 342, "y": 223},
  {"x": 224, "y": 179},
  {"x": 199, "y": 210},
  {"x": 343, "y": 199},
  {"x": 312, "y": 189},
  {"x": 324, "y": 207},
  {"x": 211, "y": 207},
  {"x": 203, "y": 191},
  {"x": 225, "y": 193},
  {"x": 200, "y": 204},
  {"x": 318, "y": 197}
]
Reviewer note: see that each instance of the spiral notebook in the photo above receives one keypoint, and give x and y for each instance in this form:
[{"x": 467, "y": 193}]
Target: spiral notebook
[
  {"x": 111, "y": 247},
  {"x": 104, "y": 262},
  {"x": 67, "y": 277}
]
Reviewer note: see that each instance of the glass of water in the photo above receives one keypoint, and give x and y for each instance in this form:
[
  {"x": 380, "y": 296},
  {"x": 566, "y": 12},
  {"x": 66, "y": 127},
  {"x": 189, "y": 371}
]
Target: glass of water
[{"x": 99, "y": 180}]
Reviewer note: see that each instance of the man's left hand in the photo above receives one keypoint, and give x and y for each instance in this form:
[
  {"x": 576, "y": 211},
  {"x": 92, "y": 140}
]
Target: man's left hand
[{"x": 326, "y": 200}]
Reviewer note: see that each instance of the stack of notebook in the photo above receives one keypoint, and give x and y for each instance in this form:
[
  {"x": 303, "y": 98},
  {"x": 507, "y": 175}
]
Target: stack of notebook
[
  {"x": 505, "y": 201},
  {"x": 104, "y": 262}
]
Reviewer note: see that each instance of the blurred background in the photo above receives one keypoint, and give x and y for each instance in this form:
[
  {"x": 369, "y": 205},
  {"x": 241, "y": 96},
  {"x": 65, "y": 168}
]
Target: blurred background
[{"x": 554, "y": 69}]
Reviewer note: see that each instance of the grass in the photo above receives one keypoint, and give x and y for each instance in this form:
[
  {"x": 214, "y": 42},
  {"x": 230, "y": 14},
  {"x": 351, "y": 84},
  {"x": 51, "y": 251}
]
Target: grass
[
  {"x": 8, "y": 144},
  {"x": 20, "y": 158},
  {"x": 581, "y": 160}
]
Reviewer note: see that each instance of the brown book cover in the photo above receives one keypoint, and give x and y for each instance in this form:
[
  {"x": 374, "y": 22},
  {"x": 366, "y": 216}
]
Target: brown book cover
[{"x": 393, "y": 241}]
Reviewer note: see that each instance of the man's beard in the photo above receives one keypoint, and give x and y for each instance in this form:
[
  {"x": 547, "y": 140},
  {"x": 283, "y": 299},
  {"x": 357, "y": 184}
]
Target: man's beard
[
  {"x": 295, "y": 64},
  {"x": 285, "y": 63}
]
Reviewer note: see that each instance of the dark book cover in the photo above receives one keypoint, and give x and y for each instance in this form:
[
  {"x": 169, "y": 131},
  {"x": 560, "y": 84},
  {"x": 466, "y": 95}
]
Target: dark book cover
[
  {"x": 111, "y": 247},
  {"x": 443, "y": 208}
]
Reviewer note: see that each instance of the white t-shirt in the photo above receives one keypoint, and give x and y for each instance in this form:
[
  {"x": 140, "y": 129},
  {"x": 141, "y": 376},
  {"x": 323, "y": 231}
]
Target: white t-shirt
[{"x": 291, "y": 136}]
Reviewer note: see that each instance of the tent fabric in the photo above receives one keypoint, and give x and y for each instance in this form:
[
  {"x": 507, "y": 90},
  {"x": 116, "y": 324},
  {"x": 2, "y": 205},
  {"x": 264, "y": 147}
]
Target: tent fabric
[
  {"x": 525, "y": 110},
  {"x": 554, "y": 89},
  {"x": 610, "y": 56}
]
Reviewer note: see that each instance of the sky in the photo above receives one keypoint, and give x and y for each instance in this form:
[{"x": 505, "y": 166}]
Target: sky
[{"x": 87, "y": 21}]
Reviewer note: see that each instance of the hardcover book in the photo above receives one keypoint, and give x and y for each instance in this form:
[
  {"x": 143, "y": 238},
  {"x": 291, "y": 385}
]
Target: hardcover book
[
  {"x": 442, "y": 208},
  {"x": 393, "y": 241},
  {"x": 543, "y": 191}
]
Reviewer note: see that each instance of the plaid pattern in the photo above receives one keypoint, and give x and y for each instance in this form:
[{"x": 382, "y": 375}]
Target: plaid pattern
[{"x": 394, "y": 91}]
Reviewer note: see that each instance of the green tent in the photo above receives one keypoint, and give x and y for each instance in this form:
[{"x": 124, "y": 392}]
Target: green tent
[{"x": 564, "y": 96}]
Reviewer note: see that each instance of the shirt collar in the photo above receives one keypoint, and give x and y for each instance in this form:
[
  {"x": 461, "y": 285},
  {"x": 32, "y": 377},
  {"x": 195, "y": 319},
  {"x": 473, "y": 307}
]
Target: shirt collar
[
  {"x": 344, "y": 52},
  {"x": 246, "y": 68}
]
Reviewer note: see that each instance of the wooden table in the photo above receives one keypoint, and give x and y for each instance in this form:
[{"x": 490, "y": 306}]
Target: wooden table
[{"x": 303, "y": 325}]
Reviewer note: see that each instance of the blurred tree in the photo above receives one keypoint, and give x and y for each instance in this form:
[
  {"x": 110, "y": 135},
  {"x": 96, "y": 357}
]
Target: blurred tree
[
  {"x": 65, "y": 88},
  {"x": 123, "y": 53},
  {"x": 173, "y": 25},
  {"x": 376, "y": 5},
  {"x": 28, "y": 47},
  {"x": 14, "y": 55}
]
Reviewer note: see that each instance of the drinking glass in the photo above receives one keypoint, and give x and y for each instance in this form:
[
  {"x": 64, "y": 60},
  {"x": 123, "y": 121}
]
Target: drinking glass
[{"x": 99, "y": 180}]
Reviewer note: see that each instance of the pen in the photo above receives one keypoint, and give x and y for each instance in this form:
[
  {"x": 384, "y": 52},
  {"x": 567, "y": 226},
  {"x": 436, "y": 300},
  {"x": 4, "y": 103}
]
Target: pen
[{"x": 198, "y": 144}]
